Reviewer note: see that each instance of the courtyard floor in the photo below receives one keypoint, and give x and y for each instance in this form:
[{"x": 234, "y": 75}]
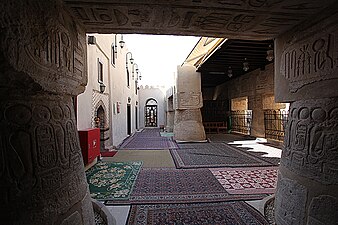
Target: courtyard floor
[{"x": 227, "y": 180}]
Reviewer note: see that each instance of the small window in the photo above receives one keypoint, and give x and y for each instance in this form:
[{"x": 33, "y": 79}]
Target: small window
[
  {"x": 100, "y": 71},
  {"x": 136, "y": 87},
  {"x": 113, "y": 54}
]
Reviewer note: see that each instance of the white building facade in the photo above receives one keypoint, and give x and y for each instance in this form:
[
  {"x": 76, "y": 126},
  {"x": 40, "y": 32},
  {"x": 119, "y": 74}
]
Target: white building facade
[{"x": 111, "y": 98}]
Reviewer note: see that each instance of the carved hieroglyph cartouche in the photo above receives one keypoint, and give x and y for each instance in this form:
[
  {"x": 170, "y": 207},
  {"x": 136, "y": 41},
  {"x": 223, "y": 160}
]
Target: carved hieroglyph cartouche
[
  {"x": 41, "y": 164},
  {"x": 311, "y": 140}
]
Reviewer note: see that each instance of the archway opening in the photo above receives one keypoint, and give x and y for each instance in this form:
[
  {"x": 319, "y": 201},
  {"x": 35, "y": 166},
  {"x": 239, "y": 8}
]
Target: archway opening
[{"x": 151, "y": 113}]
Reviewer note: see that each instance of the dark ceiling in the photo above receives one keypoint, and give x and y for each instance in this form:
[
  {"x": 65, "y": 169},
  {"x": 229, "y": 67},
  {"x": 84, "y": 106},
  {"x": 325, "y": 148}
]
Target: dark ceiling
[{"x": 214, "y": 71}]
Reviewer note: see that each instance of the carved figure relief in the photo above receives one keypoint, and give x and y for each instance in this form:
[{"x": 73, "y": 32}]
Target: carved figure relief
[{"x": 311, "y": 141}]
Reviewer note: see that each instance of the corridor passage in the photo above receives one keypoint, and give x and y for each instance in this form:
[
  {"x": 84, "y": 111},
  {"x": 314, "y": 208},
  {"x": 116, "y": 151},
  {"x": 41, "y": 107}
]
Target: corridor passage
[{"x": 231, "y": 179}]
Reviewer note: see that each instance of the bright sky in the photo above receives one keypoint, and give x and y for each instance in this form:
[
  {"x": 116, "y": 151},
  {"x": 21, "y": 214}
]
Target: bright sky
[{"x": 158, "y": 56}]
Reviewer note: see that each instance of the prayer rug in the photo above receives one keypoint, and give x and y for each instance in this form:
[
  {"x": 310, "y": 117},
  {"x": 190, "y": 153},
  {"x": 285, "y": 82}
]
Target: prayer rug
[
  {"x": 220, "y": 213},
  {"x": 167, "y": 185},
  {"x": 148, "y": 143},
  {"x": 254, "y": 180},
  {"x": 112, "y": 180},
  {"x": 205, "y": 155}
]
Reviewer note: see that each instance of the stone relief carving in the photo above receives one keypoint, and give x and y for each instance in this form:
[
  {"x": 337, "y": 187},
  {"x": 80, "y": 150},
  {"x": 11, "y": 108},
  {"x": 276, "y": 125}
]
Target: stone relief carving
[
  {"x": 314, "y": 60},
  {"x": 322, "y": 210},
  {"x": 188, "y": 100},
  {"x": 186, "y": 115},
  {"x": 311, "y": 140},
  {"x": 231, "y": 18},
  {"x": 56, "y": 50},
  {"x": 290, "y": 202},
  {"x": 40, "y": 159},
  {"x": 46, "y": 45}
]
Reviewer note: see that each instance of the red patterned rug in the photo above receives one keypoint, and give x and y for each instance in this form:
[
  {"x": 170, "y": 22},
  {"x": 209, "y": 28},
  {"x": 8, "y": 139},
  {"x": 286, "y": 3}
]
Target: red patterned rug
[
  {"x": 254, "y": 180},
  {"x": 220, "y": 213},
  {"x": 168, "y": 185}
]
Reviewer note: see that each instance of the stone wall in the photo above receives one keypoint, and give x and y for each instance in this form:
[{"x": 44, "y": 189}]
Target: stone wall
[{"x": 258, "y": 88}]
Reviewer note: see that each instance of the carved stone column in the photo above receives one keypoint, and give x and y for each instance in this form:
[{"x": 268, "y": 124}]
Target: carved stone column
[
  {"x": 42, "y": 178},
  {"x": 42, "y": 65},
  {"x": 188, "y": 100},
  {"x": 308, "y": 177},
  {"x": 307, "y": 76},
  {"x": 170, "y": 115}
]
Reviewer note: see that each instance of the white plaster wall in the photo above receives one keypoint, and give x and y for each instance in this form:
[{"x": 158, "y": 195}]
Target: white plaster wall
[
  {"x": 115, "y": 79},
  {"x": 157, "y": 93}
]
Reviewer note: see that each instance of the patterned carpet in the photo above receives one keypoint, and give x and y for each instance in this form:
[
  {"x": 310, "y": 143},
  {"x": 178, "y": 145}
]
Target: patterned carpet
[
  {"x": 112, "y": 180},
  {"x": 148, "y": 139},
  {"x": 221, "y": 213},
  {"x": 204, "y": 155},
  {"x": 254, "y": 180},
  {"x": 167, "y": 185},
  {"x": 149, "y": 132},
  {"x": 228, "y": 137}
]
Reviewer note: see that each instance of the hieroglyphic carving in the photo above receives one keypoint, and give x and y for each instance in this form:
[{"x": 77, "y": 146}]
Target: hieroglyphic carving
[
  {"x": 290, "y": 202},
  {"x": 39, "y": 171},
  {"x": 188, "y": 100},
  {"x": 195, "y": 17},
  {"x": 323, "y": 210},
  {"x": 186, "y": 115},
  {"x": 311, "y": 140},
  {"x": 313, "y": 60},
  {"x": 56, "y": 50},
  {"x": 46, "y": 149}
]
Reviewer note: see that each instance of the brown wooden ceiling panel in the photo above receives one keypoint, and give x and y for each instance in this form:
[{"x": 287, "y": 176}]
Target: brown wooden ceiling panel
[{"x": 232, "y": 54}]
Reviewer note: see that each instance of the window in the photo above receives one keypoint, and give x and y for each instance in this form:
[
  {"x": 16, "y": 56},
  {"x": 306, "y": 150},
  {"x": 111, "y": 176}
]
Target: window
[
  {"x": 113, "y": 54},
  {"x": 100, "y": 71}
]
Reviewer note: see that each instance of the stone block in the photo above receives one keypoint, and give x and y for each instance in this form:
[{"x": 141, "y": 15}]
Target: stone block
[
  {"x": 290, "y": 202},
  {"x": 306, "y": 62}
]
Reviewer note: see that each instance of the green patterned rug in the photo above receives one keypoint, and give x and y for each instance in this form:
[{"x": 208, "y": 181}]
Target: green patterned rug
[{"x": 112, "y": 180}]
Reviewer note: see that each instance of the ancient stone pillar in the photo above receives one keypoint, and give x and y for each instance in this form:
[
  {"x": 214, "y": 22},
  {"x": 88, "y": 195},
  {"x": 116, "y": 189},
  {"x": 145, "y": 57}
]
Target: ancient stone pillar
[
  {"x": 307, "y": 76},
  {"x": 42, "y": 65},
  {"x": 170, "y": 115},
  {"x": 188, "y": 101}
]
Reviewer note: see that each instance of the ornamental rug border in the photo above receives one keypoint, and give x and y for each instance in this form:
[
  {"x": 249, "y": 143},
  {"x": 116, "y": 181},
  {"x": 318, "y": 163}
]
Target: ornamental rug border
[
  {"x": 112, "y": 180},
  {"x": 236, "y": 212}
]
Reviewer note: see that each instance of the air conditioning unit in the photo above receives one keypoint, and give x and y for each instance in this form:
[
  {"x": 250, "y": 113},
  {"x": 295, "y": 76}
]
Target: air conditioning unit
[{"x": 91, "y": 40}]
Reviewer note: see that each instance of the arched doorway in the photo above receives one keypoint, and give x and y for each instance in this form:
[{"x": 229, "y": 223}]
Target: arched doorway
[
  {"x": 100, "y": 122},
  {"x": 151, "y": 113}
]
